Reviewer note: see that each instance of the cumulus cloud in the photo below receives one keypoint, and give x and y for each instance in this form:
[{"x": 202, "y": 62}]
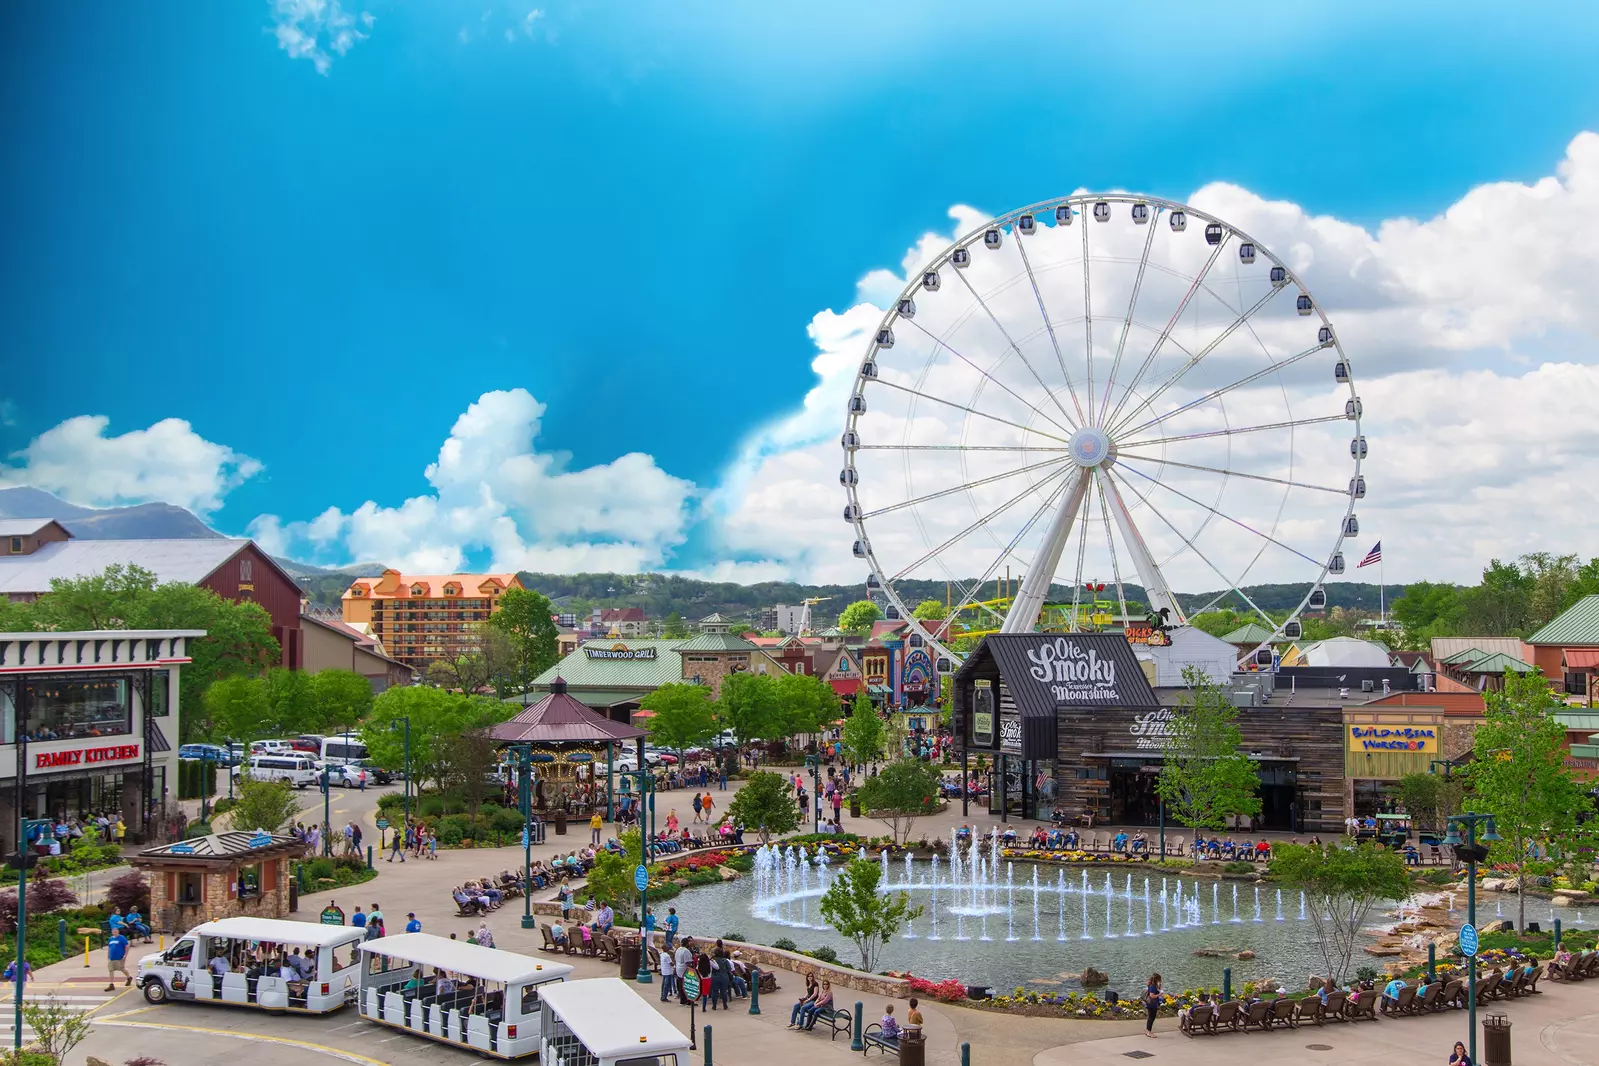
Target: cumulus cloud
[
  {"x": 168, "y": 462},
  {"x": 318, "y": 30},
  {"x": 494, "y": 491}
]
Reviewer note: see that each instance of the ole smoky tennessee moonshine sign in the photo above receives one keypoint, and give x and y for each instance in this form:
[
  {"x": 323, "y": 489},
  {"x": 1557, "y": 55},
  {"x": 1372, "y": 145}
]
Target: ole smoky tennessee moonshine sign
[{"x": 1074, "y": 673}]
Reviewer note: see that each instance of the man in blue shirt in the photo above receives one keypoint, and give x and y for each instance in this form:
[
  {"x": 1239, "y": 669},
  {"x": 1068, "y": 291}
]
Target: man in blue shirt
[
  {"x": 671, "y": 927},
  {"x": 358, "y": 919},
  {"x": 117, "y": 959},
  {"x": 412, "y": 925},
  {"x": 11, "y": 971}
]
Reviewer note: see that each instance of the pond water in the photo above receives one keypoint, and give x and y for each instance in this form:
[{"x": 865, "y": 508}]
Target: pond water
[{"x": 992, "y": 921}]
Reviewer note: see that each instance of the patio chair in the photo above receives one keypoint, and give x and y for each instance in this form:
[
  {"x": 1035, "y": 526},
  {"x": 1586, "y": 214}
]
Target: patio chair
[
  {"x": 1453, "y": 995},
  {"x": 1485, "y": 988},
  {"x": 1401, "y": 1003},
  {"x": 1258, "y": 1016},
  {"x": 1285, "y": 1013},
  {"x": 1362, "y": 1009},
  {"x": 1426, "y": 999},
  {"x": 1226, "y": 1016},
  {"x": 1197, "y": 1020}
]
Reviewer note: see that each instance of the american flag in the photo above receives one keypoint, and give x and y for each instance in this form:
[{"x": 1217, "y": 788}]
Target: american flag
[{"x": 1373, "y": 556}]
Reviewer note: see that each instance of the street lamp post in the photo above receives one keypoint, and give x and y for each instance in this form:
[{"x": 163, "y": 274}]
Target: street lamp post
[
  {"x": 1473, "y": 853},
  {"x": 525, "y": 799},
  {"x": 22, "y": 882},
  {"x": 645, "y": 786},
  {"x": 327, "y": 815},
  {"x": 813, "y": 763},
  {"x": 208, "y": 765}
]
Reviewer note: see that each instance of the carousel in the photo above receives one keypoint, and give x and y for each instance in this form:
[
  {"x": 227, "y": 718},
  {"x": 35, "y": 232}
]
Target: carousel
[{"x": 572, "y": 750}]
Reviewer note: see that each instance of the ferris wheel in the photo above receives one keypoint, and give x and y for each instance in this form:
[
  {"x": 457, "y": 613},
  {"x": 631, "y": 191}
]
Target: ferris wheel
[{"x": 1088, "y": 406}]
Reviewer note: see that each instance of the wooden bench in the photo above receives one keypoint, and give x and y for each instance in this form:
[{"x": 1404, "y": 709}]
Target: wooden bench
[
  {"x": 873, "y": 1038},
  {"x": 1197, "y": 1020}
]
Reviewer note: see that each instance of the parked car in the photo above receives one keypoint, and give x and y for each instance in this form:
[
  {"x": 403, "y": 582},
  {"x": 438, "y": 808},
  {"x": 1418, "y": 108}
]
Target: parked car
[
  {"x": 376, "y": 775},
  {"x": 200, "y": 752},
  {"x": 342, "y": 775}
]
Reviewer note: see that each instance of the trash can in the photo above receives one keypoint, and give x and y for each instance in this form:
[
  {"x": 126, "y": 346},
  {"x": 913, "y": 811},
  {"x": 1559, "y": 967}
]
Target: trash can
[
  {"x": 912, "y": 1048},
  {"x": 560, "y": 823},
  {"x": 1496, "y": 1040},
  {"x": 628, "y": 968},
  {"x": 294, "y": 896}
]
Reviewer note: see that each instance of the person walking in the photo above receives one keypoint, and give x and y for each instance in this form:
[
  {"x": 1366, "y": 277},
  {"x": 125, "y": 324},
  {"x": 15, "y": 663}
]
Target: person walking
[
  {"x": 397, "y": 847},
  {"x": 1152, "y": 998},
  {"x": 411, "y": 923},
  {"x": 696, "y": 806},
  {"x": 838, "y": 805},
  {"x": 116, "y": 953},
  {"x": 708, "y": 805}
]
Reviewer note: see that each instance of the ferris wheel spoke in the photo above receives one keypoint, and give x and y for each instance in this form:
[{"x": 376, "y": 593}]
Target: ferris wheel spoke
[
  {"x": 1088, "y": 317},
  {"x": 968, "y": 409},
  {"x": 1123, "y": 453},
  {"x": 1023, "y": 611},
  {"x": 957, "y": 448},
  {"x": 1232, "y": 586},
  {"x": 1127, "y": 322},
  {"x": 1054, "y": 342},
  {"x": 978, "y": 524},
  {"x": 1280, "y": 364},
  {"x": 939, "y": 343},
  {"x": 1051, "y": 393},
  {"x": 1082, "y": 553},
  {"x": 1155, "y": 587},
  {"x": 1231, "y": 431},
  {"x": 1110, "y": 545},
  {"x": 965, "y": 486},
  {"x": 1165, "y": 334},
  {"x": 1199, "y": 356},
  {"x": 968, "y": 595},
  {"x": 1225, "y": 517}
]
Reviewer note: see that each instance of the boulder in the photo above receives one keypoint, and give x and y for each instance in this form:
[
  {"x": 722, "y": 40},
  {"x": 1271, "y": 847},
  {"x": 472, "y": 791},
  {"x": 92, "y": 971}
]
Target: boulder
[
  {"x": 1382, "y": 952},
  {"x": 1245, "y": 955},
  {"x": 1506, "y": 926},
  {"x": 1210, "y": 953},
  {"x": 1495, "y": 884},
  {"x": 1562, "y": 900},
  {"x": 92, "y": 1061},
  {"x": 1093, "y": 978},
  {"x": 727, "y": 873}
]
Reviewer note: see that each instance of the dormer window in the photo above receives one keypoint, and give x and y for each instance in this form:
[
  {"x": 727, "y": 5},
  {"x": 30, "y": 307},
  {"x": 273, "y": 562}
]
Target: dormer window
[
  {"x": 452, "y": 589},
  {"x": 418, "y": 590},
  {"x": 358, "y": 591}
]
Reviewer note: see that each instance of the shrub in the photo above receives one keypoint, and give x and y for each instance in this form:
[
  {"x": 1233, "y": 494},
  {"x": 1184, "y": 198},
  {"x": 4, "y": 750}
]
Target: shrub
[
  {"x": 504, "y": 821},
  {"x": 1367, "y": 973},
  {"x": 429, "y": 806},
  {"x": 740, "y": 937},
  {"x": 44, "y": 895},
  {"x": 1238, "y": 868},
  {"x": 130, "y": 890},
  {"x": 783, "y": 943},
  {"x": 824, "y": 954},
  {"x": 223, "y": 805}
]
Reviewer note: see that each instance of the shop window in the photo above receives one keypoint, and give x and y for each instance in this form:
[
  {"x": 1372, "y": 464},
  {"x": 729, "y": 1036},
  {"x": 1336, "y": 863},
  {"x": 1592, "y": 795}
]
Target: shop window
[
  {"x": 186, "y": 887},
  {"x": 72, "y": 708},
  {"x": 16, "y": 545},
  {"x": 8, "y": 712},
  {"x": 160, "y": 694},
  {"x": 249, "y": 881}
]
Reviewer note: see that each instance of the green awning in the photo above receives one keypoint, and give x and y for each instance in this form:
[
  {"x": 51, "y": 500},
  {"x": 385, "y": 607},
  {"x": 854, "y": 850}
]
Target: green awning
[{"x": 879, "y": 690}]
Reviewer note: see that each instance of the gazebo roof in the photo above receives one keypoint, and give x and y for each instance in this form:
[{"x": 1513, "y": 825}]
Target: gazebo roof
[
  {"x": 227, "y": 846},
  {"x": 561, "y": 718}
]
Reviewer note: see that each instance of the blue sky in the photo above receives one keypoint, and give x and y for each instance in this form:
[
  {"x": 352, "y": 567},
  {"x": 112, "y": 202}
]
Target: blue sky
[{"x": 634, "y": 211}]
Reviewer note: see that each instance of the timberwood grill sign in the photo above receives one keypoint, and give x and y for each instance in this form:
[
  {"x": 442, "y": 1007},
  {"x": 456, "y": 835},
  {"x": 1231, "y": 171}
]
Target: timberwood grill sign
[
  {"x": 1073, "y": 673},
  {"x": 620, "y": 651}
]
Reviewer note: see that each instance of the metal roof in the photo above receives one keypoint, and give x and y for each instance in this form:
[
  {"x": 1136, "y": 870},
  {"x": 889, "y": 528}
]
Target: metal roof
[
  {"x": 717, "y": 642},
  {"x": 1497, "y": 663},
  {"x": 1577, "y": 624},
  {"x": 1444, "y": 647},
  {"x": 231, "y": 845},
  {"x": 457, "y": 956},
  {"x": 279, "y": 931},
  {"x": 23, "y": 527},
  {"x": 583, "y": 672},
  {"x": 560, "y": 718},
  {"x": 189, "y": 561},
  {"x": 1251, "y": 633}
]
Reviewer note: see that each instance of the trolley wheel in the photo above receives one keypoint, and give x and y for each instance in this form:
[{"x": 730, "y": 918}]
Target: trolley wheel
[{"x": 154, "y": 991}]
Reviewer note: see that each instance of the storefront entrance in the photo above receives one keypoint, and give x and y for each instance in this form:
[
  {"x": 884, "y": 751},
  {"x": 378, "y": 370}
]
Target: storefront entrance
[{"x": 1132, "y": 792}]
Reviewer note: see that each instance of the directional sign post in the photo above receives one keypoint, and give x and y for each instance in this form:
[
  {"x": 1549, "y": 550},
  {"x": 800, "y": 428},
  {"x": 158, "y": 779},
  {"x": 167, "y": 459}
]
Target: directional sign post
[
  {"x": 641, "y": 881},
  {"x": 1468, "y": 940}
]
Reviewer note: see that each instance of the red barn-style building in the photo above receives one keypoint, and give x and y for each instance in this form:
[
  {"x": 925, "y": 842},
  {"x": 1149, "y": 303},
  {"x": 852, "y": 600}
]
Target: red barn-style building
[{"x": 34, "y": 551}]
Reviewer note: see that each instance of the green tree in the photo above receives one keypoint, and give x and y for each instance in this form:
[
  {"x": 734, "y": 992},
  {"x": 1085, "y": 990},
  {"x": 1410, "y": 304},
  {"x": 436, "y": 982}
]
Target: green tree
[
  {"x": 1518, "y": 775},
  {"x": 526, "y": 617},
  {"x": 110, "y": 599},
  {"x": 611, "y": 876},
  {"x": 238, "y": 636},
  {"x": 808, "y": 703},
  {"x": 766, "y": 805},
  {"x": 1218, "y": 623},
  {"x": 268, "y": 805},
  {"x": 750, "y": 707},
  {"x": 859, "y": 616},
  {"x": 57, "y": 1028},
  {"x": 1343, "y": 883},
  {"x": 438, "y": 719},
  {"x": 1550, "y": 577},
  {"x": 929, "y": 611},
  {"x": 853, "y": 906},
  {"x": 291, "y": 703},
  {"x": 1431, "y": 798},
  {"x": 899, "y": 793},
  {"x": 684, "y": 716},
  {"x": 1204, "y": 776},
  {"x": 342, "y": 699},
  {"x": 465, "y": 765},
  {"x": 673, "y": 627},
  {"x": 864, "y": 733},
  {"x": 1427, "y": 610},
  {"x": 1501, "y": 604},
  {"x": 235, "y": 708}
]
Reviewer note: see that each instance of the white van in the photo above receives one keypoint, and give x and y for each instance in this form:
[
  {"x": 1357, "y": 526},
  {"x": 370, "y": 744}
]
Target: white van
[
  {"x": 254, "y": 949},
  {"x": 344, "y": 748},
  {"x": 297, "y": 769}
]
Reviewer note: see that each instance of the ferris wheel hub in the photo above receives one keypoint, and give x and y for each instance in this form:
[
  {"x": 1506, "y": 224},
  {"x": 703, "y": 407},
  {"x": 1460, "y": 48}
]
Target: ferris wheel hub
[{"x": 1091, "y": 447}]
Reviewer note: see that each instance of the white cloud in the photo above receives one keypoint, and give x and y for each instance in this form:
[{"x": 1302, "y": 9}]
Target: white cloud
[
  {"x": 494, "y": 492},
  {"x": 169, "y": 462},
  {"x": 318, "y": 30}
]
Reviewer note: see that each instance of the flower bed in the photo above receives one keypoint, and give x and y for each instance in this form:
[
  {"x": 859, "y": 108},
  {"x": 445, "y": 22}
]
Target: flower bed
[{"x": 1091, "y": 858}]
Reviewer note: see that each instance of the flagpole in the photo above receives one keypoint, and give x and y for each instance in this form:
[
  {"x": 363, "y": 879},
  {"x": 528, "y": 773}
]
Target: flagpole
[{"x": 1382, "y": 592}]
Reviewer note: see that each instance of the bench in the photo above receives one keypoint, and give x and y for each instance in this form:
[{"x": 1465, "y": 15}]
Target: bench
[
  {"x": 838, "y": 1020},
  {"x": 873, "y": 1038}
]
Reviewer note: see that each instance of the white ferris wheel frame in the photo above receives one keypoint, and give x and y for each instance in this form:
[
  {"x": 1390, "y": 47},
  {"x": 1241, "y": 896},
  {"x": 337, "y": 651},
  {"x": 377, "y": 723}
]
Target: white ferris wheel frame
[{"x": 1086, "y": 480}]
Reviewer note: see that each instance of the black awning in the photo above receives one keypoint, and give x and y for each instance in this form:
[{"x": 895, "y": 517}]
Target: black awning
[{"x": 155, "y": 738}]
